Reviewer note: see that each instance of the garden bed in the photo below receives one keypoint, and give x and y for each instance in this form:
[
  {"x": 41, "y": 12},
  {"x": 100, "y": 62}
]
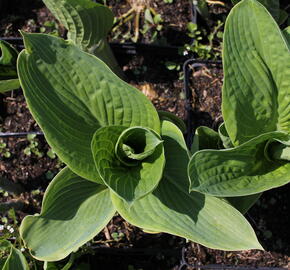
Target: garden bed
[{"x": 129, "y": 246}]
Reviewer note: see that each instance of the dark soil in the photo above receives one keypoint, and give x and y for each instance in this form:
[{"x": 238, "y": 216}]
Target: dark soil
[{"x": 120, "y": 243}]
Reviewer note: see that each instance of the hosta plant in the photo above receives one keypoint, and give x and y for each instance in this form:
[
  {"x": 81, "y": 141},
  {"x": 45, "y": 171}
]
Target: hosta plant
[
  {"x": 121, "y": 156},
  {"x": 251, "y": 151}
]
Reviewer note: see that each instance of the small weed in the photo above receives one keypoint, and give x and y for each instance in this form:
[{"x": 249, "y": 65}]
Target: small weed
[
  {"x": 32, "y": 148},
  {"x": 4, "y": 151},
  {"x": 117, "y": 236},
  {"x": 153, "y": 23},
  {"x": 50, "y": 153},
  {"x": 205, "y": 46},
  {"x": 50, "y": 27}
]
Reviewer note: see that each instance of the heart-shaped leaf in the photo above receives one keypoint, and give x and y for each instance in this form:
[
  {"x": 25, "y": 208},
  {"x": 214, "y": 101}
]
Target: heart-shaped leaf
[
  {"x": 244, "y": 170},
  {"x": 171, "y": 209},
  {"x": 71, "y": 94},
  {"x": 74, "y": 210},
  {"x": 130, "y": 161},
  {"x": 256, "y": 63}
]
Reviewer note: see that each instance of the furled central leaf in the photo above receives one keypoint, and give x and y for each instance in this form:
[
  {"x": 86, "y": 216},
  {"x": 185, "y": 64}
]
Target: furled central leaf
[
  {"x": 130, "y": 161},
  {"x": 71, "y": 94},
  {"x": 135, "y": 144},
  {"x": 171, "y": 209},
  {"x": 256, "y": 63}
]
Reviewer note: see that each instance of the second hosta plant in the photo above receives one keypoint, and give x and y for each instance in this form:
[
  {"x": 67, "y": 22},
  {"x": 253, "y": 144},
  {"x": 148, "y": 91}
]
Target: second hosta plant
[
  {"x": 256, "y": 110},
  {"x": 121, "y": 154}
]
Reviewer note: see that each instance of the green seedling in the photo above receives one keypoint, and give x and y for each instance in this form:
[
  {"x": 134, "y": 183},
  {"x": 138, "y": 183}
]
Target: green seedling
[
  {"x": 4, "y": 151},
  {"x": 203, "y": 44},
  {"x": 153, "y": 23},
  {"x": 32, "y": 148},
  {"x": 50, "y": 27}
]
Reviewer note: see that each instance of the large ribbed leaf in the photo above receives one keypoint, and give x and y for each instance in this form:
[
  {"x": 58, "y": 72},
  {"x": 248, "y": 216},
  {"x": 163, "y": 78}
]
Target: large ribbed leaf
[
  {"x": 74, "y": 210},
  {"x": 71, "y": 94},
  {"x": 8, "y": 72},
  {"x": 256, "y": 74},
  {"x": 87, "y": 21},
  {"x": 15, "y": 260},
  {"x": 130, "y": 161},
  {"x": 273, "y": 6},
  {"x": 88, "y": 24},
  {"x": 206, "y": 138},
  {"x": 244, "y": 170},
  {"x": 171, "y": 209}
]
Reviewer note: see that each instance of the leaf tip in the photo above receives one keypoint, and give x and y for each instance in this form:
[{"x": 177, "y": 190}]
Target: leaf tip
[{"x": 26, "y": 41}]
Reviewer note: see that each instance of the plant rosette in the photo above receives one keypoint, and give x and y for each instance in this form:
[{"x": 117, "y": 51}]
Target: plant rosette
[
  {"x": 251, "y": 151},
  {"x": 121, "y": 156}
]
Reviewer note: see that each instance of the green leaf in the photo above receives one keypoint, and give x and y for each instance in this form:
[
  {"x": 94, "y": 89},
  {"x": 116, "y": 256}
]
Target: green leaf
[
  {"x": 74, "y": 210},
  {"x": 273, "y": 7},
  {"x": 205, "y": 138},
  {"x": 8, "y": 72},
  {"x": 163, "y": 115},
  {"x": 286, "y": 34},
  {"x": 71, "y": 94},
  {"x": 243, "y": 203},
  {"x": 202, "y": 9},
  {"x": 225, "y": 136},
  {"x": 130, "y": 161},
  {"x": 9, "y": 55},
  {"x": 15, "y": 260},
  {"x": 244, "y": 170},
  {"x": 148, "y": 17},
  {"x": 170, "y": 208},
  {"x": 87, "y": 22},
  {"x": 256, "y": 74},
  {"x": 283, "y": 16},
  {"x": 7, "y": 85}
]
